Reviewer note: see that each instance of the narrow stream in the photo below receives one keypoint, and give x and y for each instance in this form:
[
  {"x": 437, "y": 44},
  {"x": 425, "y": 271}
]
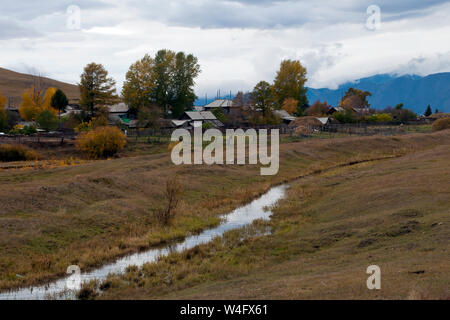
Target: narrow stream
[{"x": 240, "y": 217}]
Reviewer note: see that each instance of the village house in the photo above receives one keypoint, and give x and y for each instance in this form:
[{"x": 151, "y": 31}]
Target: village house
[
  {"x": 225, "y": 104},
  {"x": 118, "y": 113},
  {"x": 285, "y": 116},
  {"x": 194, "y": 118}
]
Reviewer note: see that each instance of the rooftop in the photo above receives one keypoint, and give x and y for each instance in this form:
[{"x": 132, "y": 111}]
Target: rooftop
[{"x": 219, "y": 103}]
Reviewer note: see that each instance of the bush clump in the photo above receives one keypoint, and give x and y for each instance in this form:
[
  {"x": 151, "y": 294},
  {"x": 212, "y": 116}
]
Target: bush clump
[
  {"x": 380, "y": 117},
  {"x": 101, "y": 142},
  {"x": 441, "y": 124},
  {"x": 9, "y": 152},
  {"x": 27, "y": 130}
]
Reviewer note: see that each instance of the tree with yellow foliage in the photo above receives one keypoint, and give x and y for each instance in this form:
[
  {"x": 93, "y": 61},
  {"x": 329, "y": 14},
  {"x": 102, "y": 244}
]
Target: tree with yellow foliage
[
  {"x": 139, "y": 84},
  {"x": 355, "y": 98},
  {"x": 290, "y": 105},
  {"x": 34, "y": 101},
  {"x": 290, "y": 83}
]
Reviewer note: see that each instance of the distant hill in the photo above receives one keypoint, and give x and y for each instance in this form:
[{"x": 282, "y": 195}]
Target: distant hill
[
  {"x": 415, "y": 92},
  {"x": 13, "y": 84}
]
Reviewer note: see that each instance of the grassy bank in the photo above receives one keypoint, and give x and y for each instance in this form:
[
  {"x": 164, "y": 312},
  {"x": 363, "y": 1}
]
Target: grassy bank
[
  {"x": 90, "y": 213},
  {"x": 393, "y": 213}
]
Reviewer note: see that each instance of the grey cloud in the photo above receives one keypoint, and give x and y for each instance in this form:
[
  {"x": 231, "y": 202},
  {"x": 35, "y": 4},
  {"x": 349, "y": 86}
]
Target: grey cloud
[
  {"x": 272, "y": 14},
  {"x": 31, "y": 9},
  {"x": 10, "y": 29},
  {"x": 424, "y": 65}
]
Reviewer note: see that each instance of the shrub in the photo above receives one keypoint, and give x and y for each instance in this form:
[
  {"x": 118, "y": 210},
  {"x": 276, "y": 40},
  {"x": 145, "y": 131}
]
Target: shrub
[
  {"x": 29, "y": 130},
  {"x": 441, "y": 124},
  {"x": 101, "y": 142},
  {"x": 17, "y": 129},
  {"x": 346, "y": 116},
  {"x": 381, "y": 117},
  {"x": 47, "y": 120},
  {"x": 10, "y": 152},
  {"x": 94, "y": 123},
  {"x": 172, "y": 195}
]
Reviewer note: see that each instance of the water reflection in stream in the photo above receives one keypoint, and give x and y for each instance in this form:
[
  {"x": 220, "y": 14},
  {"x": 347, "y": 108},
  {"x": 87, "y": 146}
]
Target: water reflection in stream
[{"x": 240, "y": 217}]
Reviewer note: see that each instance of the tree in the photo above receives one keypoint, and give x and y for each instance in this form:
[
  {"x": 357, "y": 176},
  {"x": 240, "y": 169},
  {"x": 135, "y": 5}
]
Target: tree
[
  {"x": 47, "y": 120},
  {"x": 242, "y": 99},
  {"x": 3, "y": 120},
  {"x": 59, "y": 101},
  {"x": 96, "y": 88},
  {"x": 346, "y": 116},
  {"x": 263, "y": 97},
  {"x": 436, "y": 111},
  {"x": 355, "y": 98},
  {"x": 290, "y": 83},
  {"x": 139, "y": 84},
  {"x": 149, "y": 117},
  {"x": 3, "y": 102},
  {"x": 186, "y": 70},
  {"x": 3, "y": 114},
  {"x": 167, "y": 80},
  {"x": 290, "y": 105},
  {"x": 34, "y": 101},
  {"x": 318, "y": 109},
  {"x": 164, "y": 70},
  {"x": 428, "y": 111},
  {"x": 404, "y": 115}
]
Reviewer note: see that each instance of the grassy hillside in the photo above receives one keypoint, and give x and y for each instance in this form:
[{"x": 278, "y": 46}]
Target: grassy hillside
[
  {"x": 13, "y": 84},
  {"x": 89, "y": 213}
]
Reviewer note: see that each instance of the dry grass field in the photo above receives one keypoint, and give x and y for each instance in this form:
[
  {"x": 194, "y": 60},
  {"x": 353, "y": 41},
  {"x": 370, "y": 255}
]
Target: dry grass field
[
  {"x": 394, "y": 213},
  {"x": 91, "y": 212}
]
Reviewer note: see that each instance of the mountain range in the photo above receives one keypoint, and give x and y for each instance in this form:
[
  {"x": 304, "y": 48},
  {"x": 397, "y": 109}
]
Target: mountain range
[{"x": 415, "y": 92}]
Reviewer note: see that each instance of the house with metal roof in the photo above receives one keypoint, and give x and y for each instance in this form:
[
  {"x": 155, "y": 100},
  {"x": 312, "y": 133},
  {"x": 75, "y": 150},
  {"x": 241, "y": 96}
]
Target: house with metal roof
[
  {"x": 284, "y": 115},
  {"x": 203, "y": 116},
  {"x": 220, "y": 103}
]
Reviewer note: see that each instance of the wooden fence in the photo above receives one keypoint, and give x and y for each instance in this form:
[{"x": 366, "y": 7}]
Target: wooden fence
[{"x": 38, "y": 138}]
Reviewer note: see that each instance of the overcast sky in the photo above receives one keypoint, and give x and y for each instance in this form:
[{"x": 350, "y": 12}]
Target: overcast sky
[{"x": 238, "y": 43}]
